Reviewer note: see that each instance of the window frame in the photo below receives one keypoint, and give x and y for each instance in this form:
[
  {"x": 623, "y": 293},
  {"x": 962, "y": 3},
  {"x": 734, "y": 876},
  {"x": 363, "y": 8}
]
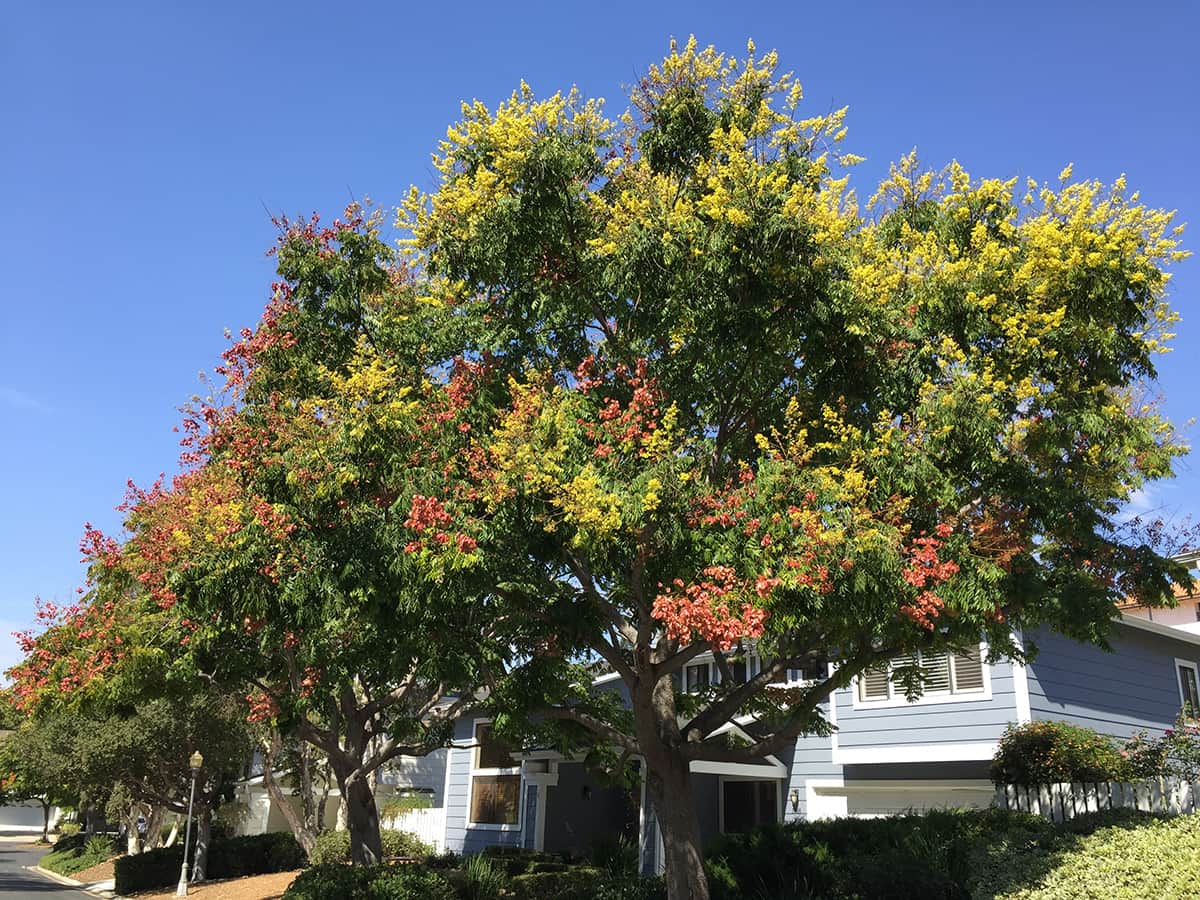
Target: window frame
[
  {"x": 476, "y": 749},
  {"x": 1194, "y": 667},
  {"x": 725, "y": 779},
  {"x": 897, "y": 699}
]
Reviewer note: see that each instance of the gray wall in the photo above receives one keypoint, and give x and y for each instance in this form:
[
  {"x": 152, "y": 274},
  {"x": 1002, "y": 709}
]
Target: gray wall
[
  {"x": 1136, "y": 687},
  {"x": 582, "y": 810},
  {"x": 422, "y": 772}
]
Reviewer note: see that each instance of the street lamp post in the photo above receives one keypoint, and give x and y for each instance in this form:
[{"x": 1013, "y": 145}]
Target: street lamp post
[{"x": 196, "y": 761}]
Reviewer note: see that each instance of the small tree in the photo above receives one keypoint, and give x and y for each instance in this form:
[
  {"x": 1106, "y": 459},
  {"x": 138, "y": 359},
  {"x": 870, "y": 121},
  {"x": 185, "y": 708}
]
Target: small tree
[{"x": 34, "y": 766}]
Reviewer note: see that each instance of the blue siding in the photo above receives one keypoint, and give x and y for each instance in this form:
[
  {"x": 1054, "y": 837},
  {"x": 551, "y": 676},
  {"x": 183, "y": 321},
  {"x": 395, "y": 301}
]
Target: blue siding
[
  {"x": 1136, "y": 687},
  {"x": 812, "y": 757},
  {"x": 954, "y": 721}
]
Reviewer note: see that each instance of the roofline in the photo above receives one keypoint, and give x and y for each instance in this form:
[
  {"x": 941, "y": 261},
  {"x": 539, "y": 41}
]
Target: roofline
[{"x": 1159, "y": 629}]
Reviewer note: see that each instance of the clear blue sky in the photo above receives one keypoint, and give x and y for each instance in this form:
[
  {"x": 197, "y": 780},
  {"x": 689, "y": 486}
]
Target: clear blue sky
[{"x": 139, "y": 144}]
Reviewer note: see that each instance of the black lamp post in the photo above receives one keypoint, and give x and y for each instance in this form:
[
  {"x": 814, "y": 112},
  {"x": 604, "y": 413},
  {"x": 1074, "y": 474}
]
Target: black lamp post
[{"x": 195, "y": 762}]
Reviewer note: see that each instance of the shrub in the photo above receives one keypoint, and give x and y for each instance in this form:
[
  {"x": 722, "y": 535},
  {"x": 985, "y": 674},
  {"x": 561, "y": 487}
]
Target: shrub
[
  {"x": 67, "y": 829},
  {"x": 80, "y": 851},
  {"x": 1126, "y": 857},
  {"x": 341, "y": 882},
  {"x": 519, "y": 861},
  {"x": 334, "y": 846},
  {"x": 1053, "y": 752},
  {"x": 255, "y": 854},
  {"x": 480, "y": 879},
  {"x": 579, "y": 883}
]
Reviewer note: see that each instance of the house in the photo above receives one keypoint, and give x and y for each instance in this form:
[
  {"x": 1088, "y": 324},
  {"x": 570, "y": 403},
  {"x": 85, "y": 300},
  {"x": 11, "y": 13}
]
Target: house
[
  {"x": 886, "y": 755},
  {"x": 1185, "y": 614}
]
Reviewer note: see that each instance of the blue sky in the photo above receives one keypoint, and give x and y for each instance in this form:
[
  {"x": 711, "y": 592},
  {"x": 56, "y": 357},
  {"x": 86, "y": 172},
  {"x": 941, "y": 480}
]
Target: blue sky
[{"x": 142, "y": 144}]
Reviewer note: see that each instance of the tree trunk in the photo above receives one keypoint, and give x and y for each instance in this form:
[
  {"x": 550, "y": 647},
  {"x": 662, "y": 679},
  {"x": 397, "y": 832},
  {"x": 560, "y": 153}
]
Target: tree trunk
[
  {"x": 133, "y": 839},
  {"x": 203, "y": 831},
  {"x": 305, "y": 836},
  {"x": 45, "y": 820},
  {"x": 174, "y": 835},
  {"x": 362, "y": 820},
  {"x": 669, "y": 784},
  {"x": 670, "y": 787},
  {"x": 154, "y": 827}
]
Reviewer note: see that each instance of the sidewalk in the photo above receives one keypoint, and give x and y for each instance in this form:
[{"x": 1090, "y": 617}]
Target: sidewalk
[{"x": 98, "y": 888}]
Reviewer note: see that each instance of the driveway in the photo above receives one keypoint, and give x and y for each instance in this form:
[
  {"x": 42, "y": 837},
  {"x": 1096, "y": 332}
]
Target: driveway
[{"x": 16, "y": 881}]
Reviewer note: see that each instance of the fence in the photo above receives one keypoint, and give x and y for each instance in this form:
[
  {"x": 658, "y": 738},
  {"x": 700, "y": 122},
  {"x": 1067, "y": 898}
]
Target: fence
[
  {"x": 427, "y": 824},
  {"x": 1059, "y": 802}
]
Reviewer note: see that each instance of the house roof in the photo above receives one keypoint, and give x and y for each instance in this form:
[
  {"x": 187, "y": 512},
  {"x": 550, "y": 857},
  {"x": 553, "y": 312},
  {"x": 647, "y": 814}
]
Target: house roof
[{"x": 1158, "y": 628}]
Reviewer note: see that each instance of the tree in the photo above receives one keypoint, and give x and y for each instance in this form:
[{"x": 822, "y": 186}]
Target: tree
[
  {"x": 33, "y": 766},
  {"x": 277, "y": 554},
  {"x": 716, "y": 404}
]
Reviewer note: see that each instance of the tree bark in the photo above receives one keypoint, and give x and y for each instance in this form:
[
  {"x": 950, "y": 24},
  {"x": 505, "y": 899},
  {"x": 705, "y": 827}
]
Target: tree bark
[
  {"x": 154, "y": 826},
  {"x": 203, "y": 828},
  {"x": 305, "y": 836},
  {"x": 669, "y": 784},
  {"x": 45, "y": 820},
  {"x": 362, "y": 820},
  {"x": 133, "y": 839}
]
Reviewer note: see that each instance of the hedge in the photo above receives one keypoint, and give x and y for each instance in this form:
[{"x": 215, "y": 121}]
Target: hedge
[
  {"x": 334, "y": 846},
  {"x": 335, "y": 881},
  {"x": 256, "y": 854}
]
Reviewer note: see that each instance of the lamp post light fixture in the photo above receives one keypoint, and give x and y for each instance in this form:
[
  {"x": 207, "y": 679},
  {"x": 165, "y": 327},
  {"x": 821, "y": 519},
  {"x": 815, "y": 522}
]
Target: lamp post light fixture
[{"x": 196, "y": 761}]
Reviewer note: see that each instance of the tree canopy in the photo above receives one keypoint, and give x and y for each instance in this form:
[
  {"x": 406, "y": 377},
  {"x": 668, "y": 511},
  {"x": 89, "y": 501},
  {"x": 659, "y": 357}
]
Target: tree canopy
[{"x": 633, "y": 390}]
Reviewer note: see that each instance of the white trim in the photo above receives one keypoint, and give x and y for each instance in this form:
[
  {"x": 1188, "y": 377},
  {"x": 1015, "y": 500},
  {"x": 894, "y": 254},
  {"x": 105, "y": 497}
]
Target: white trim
[
  {"x": 899, "y": 701},
  {"x": 823, "y": 799},
  {"x": 1170, "y": 631},
  {"x": 769, "y": 770},
  {"x": 1187, "y": 664},
  {"x": 954, "y": 785},
  {"x": 605, "y": 679},
  {"x": 1020, "y": 676},
  {"x": 723, "y": 780},
  {"x": 911, "y": 753},
  {"x": 833, "y": 701},
  {"x": 517, "y": 769}
]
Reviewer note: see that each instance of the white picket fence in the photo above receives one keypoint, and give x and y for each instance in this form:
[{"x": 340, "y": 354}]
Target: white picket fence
[
  {"x": 427, "y": 824},
  {"x": 1059, "y": 802}
]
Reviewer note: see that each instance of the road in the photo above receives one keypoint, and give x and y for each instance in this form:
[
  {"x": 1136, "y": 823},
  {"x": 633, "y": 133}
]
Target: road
[{"x": 17, "y": 881}]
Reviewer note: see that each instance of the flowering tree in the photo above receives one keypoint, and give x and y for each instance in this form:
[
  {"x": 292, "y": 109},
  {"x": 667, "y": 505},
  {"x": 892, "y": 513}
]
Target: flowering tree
[{"x": 714, "y": 404}]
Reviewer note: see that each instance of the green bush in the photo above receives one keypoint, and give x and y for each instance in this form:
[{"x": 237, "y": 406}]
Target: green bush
[
  {"x": 67, "y": 829},
  {"x": 520, "y": 861},
  {"x": 336, "y": 881},
  {"x": 578, "y": 883},
  {"x": 255, "y": 854},
  {"x": 334, "y": 847},
  {"x": 1053, "y": 752},
  {"x": 1122, "y": 857},
  {"x": 77, "y": 852}
]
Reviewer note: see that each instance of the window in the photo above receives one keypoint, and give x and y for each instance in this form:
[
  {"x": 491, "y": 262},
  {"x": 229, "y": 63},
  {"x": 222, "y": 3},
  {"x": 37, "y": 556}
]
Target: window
[
  {"x": 495, "y": 781},
  {"x": 745, "y": 805},
  {"x": 1189, "y": 687},
  {"x": 943, "y": 675},
  {"x": 696, "y": 677}
]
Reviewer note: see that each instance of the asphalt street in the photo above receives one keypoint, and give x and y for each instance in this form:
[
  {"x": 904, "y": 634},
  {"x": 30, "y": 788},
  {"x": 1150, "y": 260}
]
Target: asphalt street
[{"x": 17, "y": 881}]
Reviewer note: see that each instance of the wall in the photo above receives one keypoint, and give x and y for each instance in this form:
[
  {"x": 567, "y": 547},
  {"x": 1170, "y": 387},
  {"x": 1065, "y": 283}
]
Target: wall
[
  {"x": 582, "y": 811},
  {"x": 461, "y": 836},
  {"x": 1133, "y": 688}
]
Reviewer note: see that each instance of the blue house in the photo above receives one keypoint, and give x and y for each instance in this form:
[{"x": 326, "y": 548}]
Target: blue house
[{"x": 886, "y": 755}]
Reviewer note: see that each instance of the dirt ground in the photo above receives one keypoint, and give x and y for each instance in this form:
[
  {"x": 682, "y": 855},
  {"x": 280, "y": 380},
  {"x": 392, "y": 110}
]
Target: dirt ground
[
  {"x": 255, "y": 887},
  {"x": 99, "y": 872}
]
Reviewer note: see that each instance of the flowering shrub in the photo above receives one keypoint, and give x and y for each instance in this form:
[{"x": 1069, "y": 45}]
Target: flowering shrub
[
  {"x": 1053, "y": 752},
  {"x": 1176, "y": 753}
]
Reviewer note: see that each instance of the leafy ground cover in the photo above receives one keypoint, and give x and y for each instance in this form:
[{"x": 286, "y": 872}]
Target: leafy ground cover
[{"x": 77, "y": 852}]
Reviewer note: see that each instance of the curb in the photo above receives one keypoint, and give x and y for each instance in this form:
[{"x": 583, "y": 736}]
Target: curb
[{"x": 94, "y": 888}]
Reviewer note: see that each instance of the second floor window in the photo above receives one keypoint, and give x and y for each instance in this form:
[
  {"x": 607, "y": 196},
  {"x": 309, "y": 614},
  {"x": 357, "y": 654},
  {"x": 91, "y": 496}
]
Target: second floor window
[
  {"x": 1189, "y": 688},
  {"x": 943, "y": 674}
]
